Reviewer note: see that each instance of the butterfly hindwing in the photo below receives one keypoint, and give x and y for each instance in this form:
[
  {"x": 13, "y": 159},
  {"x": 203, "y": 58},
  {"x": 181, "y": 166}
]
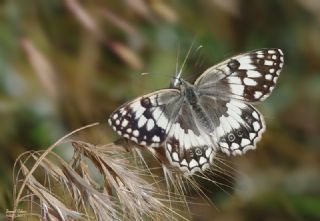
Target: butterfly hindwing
[
  {"x": 188, "y": 144},
  {"x": 239, "y": 128},
  {"x": 237, "y": 125},
  {"x": 250, "y": 77}
]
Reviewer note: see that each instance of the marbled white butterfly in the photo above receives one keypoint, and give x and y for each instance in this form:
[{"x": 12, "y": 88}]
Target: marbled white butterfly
[{"x": 193, "y": 121}]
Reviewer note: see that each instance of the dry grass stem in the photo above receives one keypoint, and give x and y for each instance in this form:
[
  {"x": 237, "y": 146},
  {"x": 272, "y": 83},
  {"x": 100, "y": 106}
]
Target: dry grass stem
[{"x": 100, "y": 182}]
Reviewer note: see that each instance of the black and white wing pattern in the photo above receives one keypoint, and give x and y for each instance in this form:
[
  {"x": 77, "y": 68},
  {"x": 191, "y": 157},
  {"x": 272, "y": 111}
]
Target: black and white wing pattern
[
  {"x": 193, "y": 122},
  {"x": 147, "y": 119},
  {"x": 189, "y": 145},
  {"x": 238, "y": 125},
  {"x": 250, "y": 77},
  {"x": 164, "y": 118},
  {"x": 234, "y": 83}
]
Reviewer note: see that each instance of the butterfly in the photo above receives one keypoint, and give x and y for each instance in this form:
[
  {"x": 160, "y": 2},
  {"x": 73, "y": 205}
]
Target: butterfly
[{"x": 192, "y": 122}]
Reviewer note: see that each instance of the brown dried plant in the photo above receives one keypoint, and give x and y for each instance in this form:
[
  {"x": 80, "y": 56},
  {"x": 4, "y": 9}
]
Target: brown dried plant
[
  {"x": 101, "y": 182},
  {"x": 50, "y": 188}
]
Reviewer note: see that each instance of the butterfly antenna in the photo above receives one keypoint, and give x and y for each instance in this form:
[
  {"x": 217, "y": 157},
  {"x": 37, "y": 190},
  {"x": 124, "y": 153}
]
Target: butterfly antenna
[
  {"x": 178, "y": 55},
  {"x": 185, "y": 60},
  {"x": 200, "y": 57},
  {"x": 198, "y": 49}
]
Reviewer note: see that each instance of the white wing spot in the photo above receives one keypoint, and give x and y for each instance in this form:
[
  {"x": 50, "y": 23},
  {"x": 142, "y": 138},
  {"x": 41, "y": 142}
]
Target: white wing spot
[
  {"x": 156, "y": 138},
  {"x": 255, "y": 115},
  {"x": 268, "y": 77},
  {"x": 234, "y": 80},
  {"x": 252, "y": 135},
  {"x": 256, "y": 125},
  {"x": 257, "y": 94},
  {"x": 129, "y": 130},
  {"x": 274, "y": 57},
  {"x": 234, "y": 146},
  {"x": 271, "y": 51},
  {"x": 135, "y": 133},
  {"x": 237, "y": 89},
  {"x": 249, "y": 82},
  {"x": 175, "y": 156},
  {"x": 236, "y": 152},
  {"x": 246, "y": 66},
  {"x": 156, "y": 113},
  {"x": 225, "y": 145},
  {"x": 138, "y": 110},
  {"x": 208, "y": 152},
  {"x": 245, "y": 142},
  {"x": 280, "y": 51},
  {"x": 115, "y": 116},
  {"x": 253, "y": 74},
  {"x": 124, "y": 123},
  {"x": 193, "y": 163},
  {"x": 123, "y": 111},
  {"x": 150, "y": 124},
  {"x": 142, "y": 121},
  {"x": 184, "y": 162},
  {"x": 202, "y": 160},
  {"x": 162, "y": 121},
  {"x": 260, "y": 56},
  {"x": 268, "y": 62},
  {"x": 271, "y": 70}
]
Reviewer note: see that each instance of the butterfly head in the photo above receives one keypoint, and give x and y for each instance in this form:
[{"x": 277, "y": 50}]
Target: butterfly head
[
  {"x": 179, "y": 83},
  {"x": 176, "y": 82}
]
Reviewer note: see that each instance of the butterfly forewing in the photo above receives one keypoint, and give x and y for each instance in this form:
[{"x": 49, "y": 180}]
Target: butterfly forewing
[
  {"x": 147, "y": 119},
  {"x": 250, "y": 77}
]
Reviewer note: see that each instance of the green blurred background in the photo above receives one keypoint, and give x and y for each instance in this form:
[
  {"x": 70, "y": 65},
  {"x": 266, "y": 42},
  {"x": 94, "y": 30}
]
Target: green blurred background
[{"x": 68, "y": 63}]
